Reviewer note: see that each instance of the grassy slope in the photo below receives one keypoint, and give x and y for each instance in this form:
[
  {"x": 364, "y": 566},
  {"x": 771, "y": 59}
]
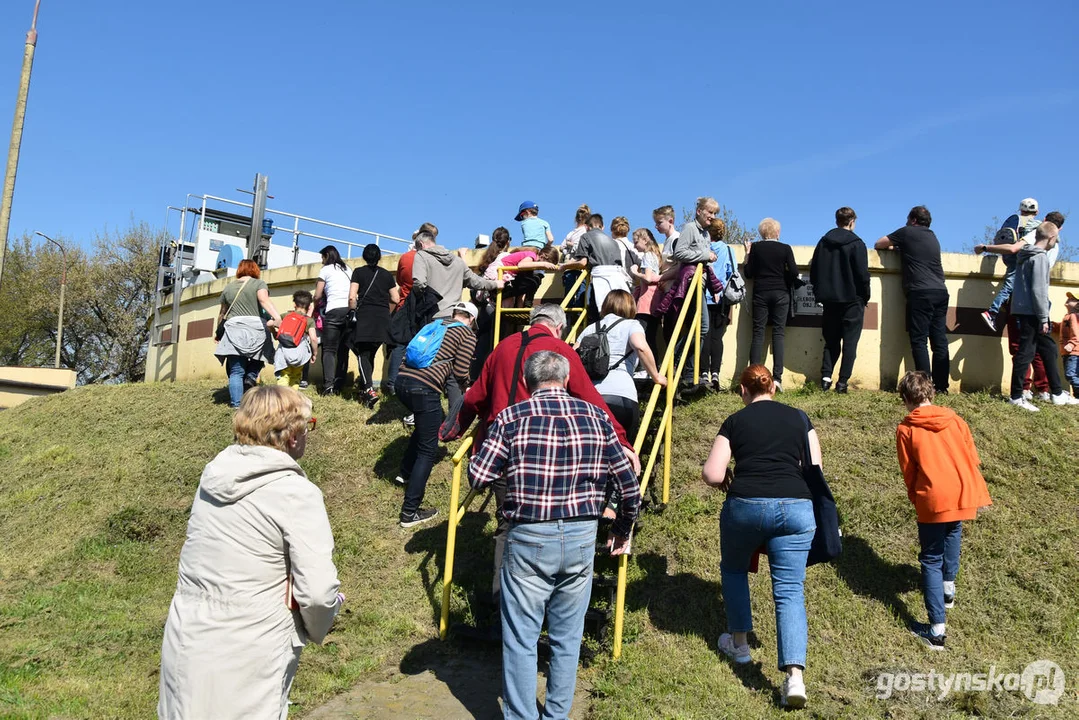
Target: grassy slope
[{"x": 98, "y": 481}]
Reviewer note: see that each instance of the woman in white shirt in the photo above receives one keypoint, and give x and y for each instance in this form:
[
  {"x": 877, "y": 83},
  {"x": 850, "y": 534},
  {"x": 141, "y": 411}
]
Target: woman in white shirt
[{"x": 332, "y": 286}]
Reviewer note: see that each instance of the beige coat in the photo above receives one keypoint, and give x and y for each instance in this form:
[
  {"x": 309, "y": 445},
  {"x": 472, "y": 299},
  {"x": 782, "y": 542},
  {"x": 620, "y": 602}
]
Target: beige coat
[{"x": 231, "y": 646}]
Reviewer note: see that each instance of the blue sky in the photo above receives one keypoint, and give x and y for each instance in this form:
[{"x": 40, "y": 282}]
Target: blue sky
[{"x": 384, "y": 115}]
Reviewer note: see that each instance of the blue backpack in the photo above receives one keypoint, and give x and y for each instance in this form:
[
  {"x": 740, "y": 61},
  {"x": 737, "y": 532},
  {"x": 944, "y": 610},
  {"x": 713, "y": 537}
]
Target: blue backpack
[{"x": 422, "y": 349}]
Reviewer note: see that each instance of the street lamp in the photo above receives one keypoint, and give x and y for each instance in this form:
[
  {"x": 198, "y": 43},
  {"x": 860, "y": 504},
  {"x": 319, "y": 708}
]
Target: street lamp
[{"x": 63, "y": 284}]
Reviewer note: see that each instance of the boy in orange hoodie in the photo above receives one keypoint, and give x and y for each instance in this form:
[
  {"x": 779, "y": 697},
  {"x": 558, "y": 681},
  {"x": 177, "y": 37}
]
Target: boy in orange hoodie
[
  {"x": 1069, "y": 342},
  {"x": 940, "y": 468}
]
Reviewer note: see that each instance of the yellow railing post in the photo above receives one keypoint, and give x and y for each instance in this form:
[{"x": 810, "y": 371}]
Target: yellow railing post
[
  {"x": 498, "y": 313},
  {"x": 451, "y": 533},
  {"x": 699, "y": 302}
]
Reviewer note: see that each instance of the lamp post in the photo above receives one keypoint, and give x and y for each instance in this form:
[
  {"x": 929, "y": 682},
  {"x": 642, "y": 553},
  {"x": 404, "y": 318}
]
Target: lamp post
[{"x": 63, "y": 284}]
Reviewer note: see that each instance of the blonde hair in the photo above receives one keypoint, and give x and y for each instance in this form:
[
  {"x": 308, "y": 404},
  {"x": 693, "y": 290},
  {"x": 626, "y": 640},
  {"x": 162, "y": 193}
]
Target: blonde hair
[
  {"x": 707, "y": 202},
  {"x": 619, "y": 227},
  {"x": 769, "y": 229},
  {"x": 271, "y": 415},
  {"x": 916, "y": 387},
  {"x": 665, "y": 211},
  {"x": 650, "y": 243},
  {"x": 583, "y": 213}
]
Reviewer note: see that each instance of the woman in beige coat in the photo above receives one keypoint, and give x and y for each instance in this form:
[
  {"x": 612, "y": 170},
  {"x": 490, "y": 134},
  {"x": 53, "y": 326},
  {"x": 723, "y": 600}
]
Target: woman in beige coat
[{"x": 256, "y": 578}]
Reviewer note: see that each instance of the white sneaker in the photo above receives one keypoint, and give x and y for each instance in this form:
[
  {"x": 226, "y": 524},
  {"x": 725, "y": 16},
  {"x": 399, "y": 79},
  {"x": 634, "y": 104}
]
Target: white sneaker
[
  {"x": 1028, "y": 395},
  {"x": 1023, "y": 403},
  {"x": 1064, "y": 399},
  {"x": 738, "y": 653},
  {"x": 794, "y": 692},
  {"x": 1045, "y": 397},
  {"x": 640, "y": 375},
  {"x": 779, "y": 388},
  {"x": 400, "y": 480}
]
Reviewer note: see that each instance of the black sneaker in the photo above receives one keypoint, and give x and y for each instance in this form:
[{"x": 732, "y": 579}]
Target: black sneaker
[
  {"x": 304, "y": 384},
  {"x": 418, "y": 518},
  {"x": 841, "y": 388},
  {"x": 925, "y": 633},
  {"x": 825, "y": 384}
]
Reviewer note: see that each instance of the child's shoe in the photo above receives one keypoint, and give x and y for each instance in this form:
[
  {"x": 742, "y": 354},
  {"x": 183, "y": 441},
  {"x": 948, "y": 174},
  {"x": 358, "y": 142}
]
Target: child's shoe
[
  {"x": 990, "y": 320},
  {"x": 931, "y": 640},
  {"x": 794, "y": 692},
  {"x": 738, "y": 653}
]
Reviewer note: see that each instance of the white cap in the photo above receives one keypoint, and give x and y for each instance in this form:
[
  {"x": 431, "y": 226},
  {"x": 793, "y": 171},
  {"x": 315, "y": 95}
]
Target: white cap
[
  {"x": 1028, "y": 206},
  {"x": 465, "y": 307}
]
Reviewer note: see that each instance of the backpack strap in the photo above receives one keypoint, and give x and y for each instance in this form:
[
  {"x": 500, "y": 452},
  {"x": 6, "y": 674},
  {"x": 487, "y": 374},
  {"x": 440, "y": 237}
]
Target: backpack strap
[
  {"x": 237, "y": 296},
  {"x": 606, "y": 330},
  {"x": 525, "y": 339}
]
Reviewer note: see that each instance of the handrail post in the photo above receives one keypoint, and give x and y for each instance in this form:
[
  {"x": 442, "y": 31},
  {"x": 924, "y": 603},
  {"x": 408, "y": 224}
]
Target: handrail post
[
  {"x": 699, "y": 296},
  {"x": 451, "y": 536},
  {"x": 498, "y": 312},
  {"x": 667, "y": 436}
]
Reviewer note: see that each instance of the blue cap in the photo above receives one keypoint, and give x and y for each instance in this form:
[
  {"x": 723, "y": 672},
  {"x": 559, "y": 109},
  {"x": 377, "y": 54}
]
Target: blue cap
[{"x": 526, "y": 205}]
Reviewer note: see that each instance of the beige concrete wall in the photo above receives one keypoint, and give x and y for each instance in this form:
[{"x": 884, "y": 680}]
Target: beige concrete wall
[
  {"x": 19, "y": 384},
  {"x": 980, "y": 359}
]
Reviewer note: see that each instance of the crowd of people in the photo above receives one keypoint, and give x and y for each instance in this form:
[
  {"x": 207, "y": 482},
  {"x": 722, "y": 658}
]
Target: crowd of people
[{"x": 554, "y": 428}]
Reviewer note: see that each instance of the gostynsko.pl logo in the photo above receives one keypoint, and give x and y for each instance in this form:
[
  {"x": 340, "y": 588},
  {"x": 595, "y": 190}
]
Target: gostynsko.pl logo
[{"x": 1041, "y": 682}]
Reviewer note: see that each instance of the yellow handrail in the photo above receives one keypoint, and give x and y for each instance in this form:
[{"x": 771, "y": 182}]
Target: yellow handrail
[
  {"x": 455, "y": 517},
  {"x": 574, "y": 329}
]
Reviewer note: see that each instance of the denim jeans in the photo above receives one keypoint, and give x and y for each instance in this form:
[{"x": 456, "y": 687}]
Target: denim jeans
[
  {"x": 547, "y": 566},
  {"x": 1004, "y": 292},
  {"x": 426, "y": 404},
  {"x": 927, "y": 317},
  {"x": 1032, "y": 340},
  {"x": 785, "y": 527},
  {"x": 770, "y": 306},
  {"x": 712, "y": 350},
  {"x": 1071, "y": 371},
  {"x": 939, "y": 559},
  {"x": 241, "y": 370},
  {"x": 397, "y": 354}
]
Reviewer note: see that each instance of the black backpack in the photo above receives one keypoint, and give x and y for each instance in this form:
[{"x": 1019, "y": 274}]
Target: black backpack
[{"x": 595, "y": 352}]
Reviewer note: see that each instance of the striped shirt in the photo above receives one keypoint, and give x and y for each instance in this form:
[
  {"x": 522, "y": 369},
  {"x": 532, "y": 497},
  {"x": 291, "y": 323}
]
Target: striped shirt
[
  {"x": 558, "y": 454},
  {"x": 454, "y": 355}
]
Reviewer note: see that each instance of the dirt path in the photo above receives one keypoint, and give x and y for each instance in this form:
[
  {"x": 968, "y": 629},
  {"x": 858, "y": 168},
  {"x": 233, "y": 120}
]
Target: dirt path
[{"x": 433, "y": 681}]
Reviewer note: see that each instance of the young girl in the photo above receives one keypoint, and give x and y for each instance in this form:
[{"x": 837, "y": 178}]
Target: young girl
[
  {"x": 648, "y": 276},
  {"x": 1069, "y": 342},
  {"x": 940, "y": 468}
]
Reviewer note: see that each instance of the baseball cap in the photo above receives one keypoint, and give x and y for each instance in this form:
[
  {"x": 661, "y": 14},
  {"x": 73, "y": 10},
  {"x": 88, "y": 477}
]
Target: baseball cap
[
  {"x": 465, "y": 307},
  {"x": 526, "y": 205},
  {"x": 1070, "y": 296},
  {"x": 1030, "y": 205}
]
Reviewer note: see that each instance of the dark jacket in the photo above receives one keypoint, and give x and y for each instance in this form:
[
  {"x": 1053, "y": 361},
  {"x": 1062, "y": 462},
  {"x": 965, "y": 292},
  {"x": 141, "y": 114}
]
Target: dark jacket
[
  {"x": 771, "y": 266},
  {"x": 839, "y": 269}
]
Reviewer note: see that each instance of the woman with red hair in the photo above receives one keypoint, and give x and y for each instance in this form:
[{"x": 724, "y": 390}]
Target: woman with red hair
[
  {"x": 243, "y": 338},
  {"x": 768, "y": 504}
]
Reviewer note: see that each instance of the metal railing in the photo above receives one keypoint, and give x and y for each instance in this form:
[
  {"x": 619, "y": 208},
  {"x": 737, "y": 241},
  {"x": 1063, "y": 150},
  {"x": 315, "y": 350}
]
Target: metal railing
[
  {"x": 585, "y": 277},
  {"x": 663, "y": 434}
]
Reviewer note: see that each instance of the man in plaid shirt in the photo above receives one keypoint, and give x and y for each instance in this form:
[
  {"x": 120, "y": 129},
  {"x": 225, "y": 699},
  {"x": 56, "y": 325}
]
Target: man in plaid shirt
[{"x": 558, "y": 455}]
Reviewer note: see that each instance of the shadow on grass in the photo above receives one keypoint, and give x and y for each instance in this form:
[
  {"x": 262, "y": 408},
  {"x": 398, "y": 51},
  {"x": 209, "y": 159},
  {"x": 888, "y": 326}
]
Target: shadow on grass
[
  {"x": 221, "y": 396},
  {"x": 388, "y": 410},
  {"x": 668, "y": 599},
  {"x": 869, "y": 575},
  {"x": 473, "y": 559},
  {"x": 474, "y": 677}
]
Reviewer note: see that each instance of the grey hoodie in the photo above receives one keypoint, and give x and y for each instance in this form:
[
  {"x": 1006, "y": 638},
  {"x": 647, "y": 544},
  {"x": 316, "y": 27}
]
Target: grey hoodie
[
  {"x": 1031, "y": 293},
  {"x": 445, "y": 273}
]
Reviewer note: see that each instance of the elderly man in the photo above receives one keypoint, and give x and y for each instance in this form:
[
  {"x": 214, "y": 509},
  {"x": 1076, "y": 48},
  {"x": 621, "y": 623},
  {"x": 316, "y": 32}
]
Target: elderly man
[
  {"x": 502, "y": 383},
  {"x": 559, "y": 454}
]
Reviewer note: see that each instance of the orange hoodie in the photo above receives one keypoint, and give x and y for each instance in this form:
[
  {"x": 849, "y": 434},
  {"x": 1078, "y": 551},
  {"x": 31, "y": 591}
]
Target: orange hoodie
[{"x": 940, "y": 465}]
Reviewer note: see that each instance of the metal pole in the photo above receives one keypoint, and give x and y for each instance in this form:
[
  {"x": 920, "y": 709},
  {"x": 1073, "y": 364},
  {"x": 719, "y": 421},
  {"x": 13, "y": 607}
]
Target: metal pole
[
  {"x": 16, "y": 137},
  {"x": 63, "y": 286},
  {"x": 255, "y": 249}
]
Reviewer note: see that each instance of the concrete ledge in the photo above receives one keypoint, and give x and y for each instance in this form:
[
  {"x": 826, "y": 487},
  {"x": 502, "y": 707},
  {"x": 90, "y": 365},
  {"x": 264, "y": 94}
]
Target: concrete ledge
[{"x": 19, "y": 384}]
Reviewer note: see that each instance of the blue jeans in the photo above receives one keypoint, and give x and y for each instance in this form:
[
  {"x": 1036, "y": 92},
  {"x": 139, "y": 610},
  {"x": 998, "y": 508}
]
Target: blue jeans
[
  {"x": 426, "y": 404},
  {"x": 940, "y": 562},
  {"x": 241, "y": 371},
  {"x": 546, "y": 566},
  {"x": 397, "y": 354},
  {"x": 1071, "y": 371},
  {"x": 1003, "y": 293},
  {"x": 785, "y": 527}
]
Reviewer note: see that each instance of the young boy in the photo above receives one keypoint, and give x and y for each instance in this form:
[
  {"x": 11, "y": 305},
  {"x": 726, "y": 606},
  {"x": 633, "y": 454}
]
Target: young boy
[
  {"x": 1014, "y": 234},
  {"x": 1030, "y": 307},
  {"x": 536, "y": 232},
  {"x": 940, "y": 468},
  {"x": 1069, "y": 341},
  {"x": 289, "y": 362}
]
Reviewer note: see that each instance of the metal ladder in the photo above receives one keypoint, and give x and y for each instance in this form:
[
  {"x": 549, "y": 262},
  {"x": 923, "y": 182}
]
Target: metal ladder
[{"x": 174, "y": 258}]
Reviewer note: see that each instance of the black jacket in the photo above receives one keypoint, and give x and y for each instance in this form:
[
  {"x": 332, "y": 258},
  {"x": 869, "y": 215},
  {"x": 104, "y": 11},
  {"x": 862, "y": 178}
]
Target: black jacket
[{"x": 839, "y": 269}]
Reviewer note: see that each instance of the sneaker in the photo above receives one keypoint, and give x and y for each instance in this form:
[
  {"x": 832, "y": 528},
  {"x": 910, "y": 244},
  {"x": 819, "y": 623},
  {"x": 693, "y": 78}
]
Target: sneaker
[
  {"x": 1028, "y": 395},
  {"x": 779, "y": 387},
  {"x": 1045, "y": 397},
  {"x": 1023, "y": 403},
  {"x": 304, "y": 384},
  {"x": 794, "y": 692},
  {"x": 400, "y": 480},
  {"x": 825, "y": 384},
  {"x": 369, "y": 398},
  {"x": 409, "y": 421},
  {"x": 990, "y": 320},
  {"x": 419, "y": 517},
  {"x": 841, "y": 388},
  {"x": 949, "y": 601},
  {"x": 640, "y": 375},
  {"x": 738, "y": 653},
  {"x": 925, "y": 633},
  {"x": 1064, "y": 399}
]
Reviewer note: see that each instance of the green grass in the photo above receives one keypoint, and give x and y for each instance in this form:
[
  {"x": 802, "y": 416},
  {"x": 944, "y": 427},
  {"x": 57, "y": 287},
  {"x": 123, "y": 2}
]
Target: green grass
[{"x": 98, "y": 481}]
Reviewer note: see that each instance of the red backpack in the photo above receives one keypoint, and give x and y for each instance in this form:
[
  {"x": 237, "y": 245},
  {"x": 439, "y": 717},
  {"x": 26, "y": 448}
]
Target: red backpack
[{"x": 293, "y": 326}]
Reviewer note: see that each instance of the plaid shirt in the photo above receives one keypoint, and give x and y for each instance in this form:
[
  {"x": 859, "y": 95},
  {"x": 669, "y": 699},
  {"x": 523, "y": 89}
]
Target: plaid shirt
[{"x": 558, "y": 454}]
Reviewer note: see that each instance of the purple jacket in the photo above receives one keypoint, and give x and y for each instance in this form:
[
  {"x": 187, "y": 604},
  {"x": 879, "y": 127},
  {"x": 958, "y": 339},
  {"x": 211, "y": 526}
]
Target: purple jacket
[{"x": 673, "y": 300}]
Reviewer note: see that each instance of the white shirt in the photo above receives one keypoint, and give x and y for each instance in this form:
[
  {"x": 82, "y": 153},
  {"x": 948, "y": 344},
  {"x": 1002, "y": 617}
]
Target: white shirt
[{"x": 337, "y": 285}]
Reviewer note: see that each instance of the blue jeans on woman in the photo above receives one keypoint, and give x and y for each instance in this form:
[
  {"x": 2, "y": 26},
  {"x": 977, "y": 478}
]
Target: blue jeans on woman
[
  {"x": 939, "y": 559},
  {"x": 243, "y": 373},
  {"x": 785, "y": 527},
  {"x": 547, "y": 567},
  {"x": 1071, "y": 372},
  {"x": 426, "y": 404}
]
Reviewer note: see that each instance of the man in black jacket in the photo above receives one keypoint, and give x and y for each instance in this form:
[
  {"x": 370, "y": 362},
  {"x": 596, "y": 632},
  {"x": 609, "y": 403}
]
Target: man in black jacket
[{"x": 839, "y": 272}]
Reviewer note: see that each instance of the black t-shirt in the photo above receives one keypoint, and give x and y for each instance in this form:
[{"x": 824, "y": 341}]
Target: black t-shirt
[
  {"x": 376, "y": 282},
  {"x": 767, "y": 441},
  {"x": 921, "y": 258},
  {"x": 771, "y": 265}
]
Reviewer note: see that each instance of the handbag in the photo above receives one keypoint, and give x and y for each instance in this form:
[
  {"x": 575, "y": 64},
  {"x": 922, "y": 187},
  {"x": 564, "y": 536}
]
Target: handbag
[
  {"x": 220, "y": 331},
  {"x": 828, "y": 539},
  {"x": 734, "y": 291}
]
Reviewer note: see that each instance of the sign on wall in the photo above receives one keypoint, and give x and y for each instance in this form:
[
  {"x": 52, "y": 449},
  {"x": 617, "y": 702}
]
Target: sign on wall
[{"x": 804, "y": 302}]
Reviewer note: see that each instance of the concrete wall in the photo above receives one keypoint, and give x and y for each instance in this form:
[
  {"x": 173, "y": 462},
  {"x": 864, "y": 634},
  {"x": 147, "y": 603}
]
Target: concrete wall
[
  {"x": 980, "y": 358},
  {"x": 19, "y": 384}
]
